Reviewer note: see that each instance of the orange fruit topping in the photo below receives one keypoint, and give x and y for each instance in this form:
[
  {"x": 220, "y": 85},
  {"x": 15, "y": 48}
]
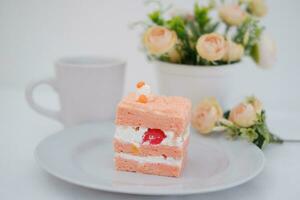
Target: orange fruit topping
[
  {"x": 142, "y": 98},
  {"x": 134, "y": 149},
  {"x": 140, "y": 84}
]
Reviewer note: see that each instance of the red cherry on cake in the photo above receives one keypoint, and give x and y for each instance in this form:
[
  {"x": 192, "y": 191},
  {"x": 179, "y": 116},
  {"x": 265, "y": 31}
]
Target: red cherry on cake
[{"x": 154, "y": 136}]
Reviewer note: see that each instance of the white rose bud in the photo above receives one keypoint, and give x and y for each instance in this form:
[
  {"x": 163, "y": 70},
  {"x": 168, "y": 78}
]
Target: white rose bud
[
  {"x": 232, "y": 14},
  {"x": 211, "y": 46},
  {"x": 243, "y": 115},
  {"x": 234, "y": 52},
  {"x": 266, "y": 51},
  {"x": 206, "y": 115},
  {"x": 258, "y": 8},
  {"x": 159, "y": 40}
]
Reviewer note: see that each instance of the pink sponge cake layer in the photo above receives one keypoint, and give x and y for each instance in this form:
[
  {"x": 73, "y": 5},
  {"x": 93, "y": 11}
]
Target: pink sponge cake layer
[
  {"x": 147, "y": 168},
  {"x": 151, "y": 150},
  {"x": 162, "y": 112}
]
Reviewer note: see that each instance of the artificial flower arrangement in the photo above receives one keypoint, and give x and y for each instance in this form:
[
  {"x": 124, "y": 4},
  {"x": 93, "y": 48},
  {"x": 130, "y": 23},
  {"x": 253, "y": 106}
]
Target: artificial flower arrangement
[
  {"x": 196, "y": 38},
  {"x": 246, "y": 120}
]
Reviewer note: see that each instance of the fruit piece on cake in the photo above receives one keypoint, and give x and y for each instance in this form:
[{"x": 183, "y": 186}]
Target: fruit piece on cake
[{"x": 152, "y": 133}]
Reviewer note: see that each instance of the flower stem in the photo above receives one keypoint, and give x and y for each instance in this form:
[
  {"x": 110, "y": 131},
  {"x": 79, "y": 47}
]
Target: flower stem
[
  {"x": 226, "y": 31},
  {"x": 275, "y": 139}
]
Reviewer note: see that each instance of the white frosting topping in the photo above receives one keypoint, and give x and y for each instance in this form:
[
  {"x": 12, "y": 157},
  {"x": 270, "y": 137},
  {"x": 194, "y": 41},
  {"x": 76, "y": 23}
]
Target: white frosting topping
[
  {"x": 150, "y": 159},
  {"x": 134, "y": 135}
]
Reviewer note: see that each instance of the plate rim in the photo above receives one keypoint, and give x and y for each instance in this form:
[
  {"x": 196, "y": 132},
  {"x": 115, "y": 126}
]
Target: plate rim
[{"x": 138, "y": 192}]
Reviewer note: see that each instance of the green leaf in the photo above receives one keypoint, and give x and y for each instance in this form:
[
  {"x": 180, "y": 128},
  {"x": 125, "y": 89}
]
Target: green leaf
[
  {"x": 156, "y": 17},
  {"x": 249, "y": 133},
  {"x": 260, "y": 141},
  {"x": 226, "y": 114},
  {"x": 188, "y": 51},
  {"x": 177, "y": 24},
  {"x": 164, "y": 57},
  {"x": 203, "y": 20},
  {"x": 255, "y": 53},
  {"x": 201, "y": 15},
  {"x": 194, "y": 30},
  {"x": 209, "y": 28},
  {"x": 248, "y": 35}
]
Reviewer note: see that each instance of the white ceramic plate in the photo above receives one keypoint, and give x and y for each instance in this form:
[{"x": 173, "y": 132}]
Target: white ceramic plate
[{"x": 84, "y": 156}]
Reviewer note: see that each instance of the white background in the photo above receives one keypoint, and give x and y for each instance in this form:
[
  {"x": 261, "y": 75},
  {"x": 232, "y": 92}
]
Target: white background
[{"x": 34, "y": 33}]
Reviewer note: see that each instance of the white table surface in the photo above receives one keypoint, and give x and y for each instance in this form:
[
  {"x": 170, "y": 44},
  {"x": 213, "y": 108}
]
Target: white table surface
[{"x": 21, "y": 129}]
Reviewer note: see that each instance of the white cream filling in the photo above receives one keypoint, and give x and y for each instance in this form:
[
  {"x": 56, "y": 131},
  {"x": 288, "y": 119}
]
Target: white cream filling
[
  {"x": 134, "y": 135},
  {"x": 150, "y": 159}
]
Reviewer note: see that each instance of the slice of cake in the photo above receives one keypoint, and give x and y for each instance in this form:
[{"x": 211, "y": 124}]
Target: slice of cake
[{"x": 152, "y": 133}]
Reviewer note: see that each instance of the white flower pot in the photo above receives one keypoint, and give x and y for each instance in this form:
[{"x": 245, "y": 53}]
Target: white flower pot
[{"x": 198, "y": 82}]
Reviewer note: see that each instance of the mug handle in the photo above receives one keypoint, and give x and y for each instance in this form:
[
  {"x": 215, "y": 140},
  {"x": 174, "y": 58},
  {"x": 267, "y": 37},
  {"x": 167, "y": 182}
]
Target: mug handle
[{"x": 29, "y": 97}]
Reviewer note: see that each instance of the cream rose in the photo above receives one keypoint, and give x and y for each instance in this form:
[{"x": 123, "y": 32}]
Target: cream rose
[
  {"x": 206, "y": 115},
  {"x": 186, "y": 14},
  {"x": 159, "y": 40},
  {"x": 211, "y": 46},
  {"x": 266, "y": 52},
  {"x": 258, "y": 7},
  {"x": 243, "y": 115},
  {"x": 232, "y": 14},
  {"x": 256, "y": 103},
  {"x": 234, "y": 52},
  {"x": 174, "y": 55}
]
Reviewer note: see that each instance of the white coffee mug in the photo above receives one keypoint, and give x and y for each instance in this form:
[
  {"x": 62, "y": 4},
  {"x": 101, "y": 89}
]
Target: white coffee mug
[{"x": 89, "y": 89}]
